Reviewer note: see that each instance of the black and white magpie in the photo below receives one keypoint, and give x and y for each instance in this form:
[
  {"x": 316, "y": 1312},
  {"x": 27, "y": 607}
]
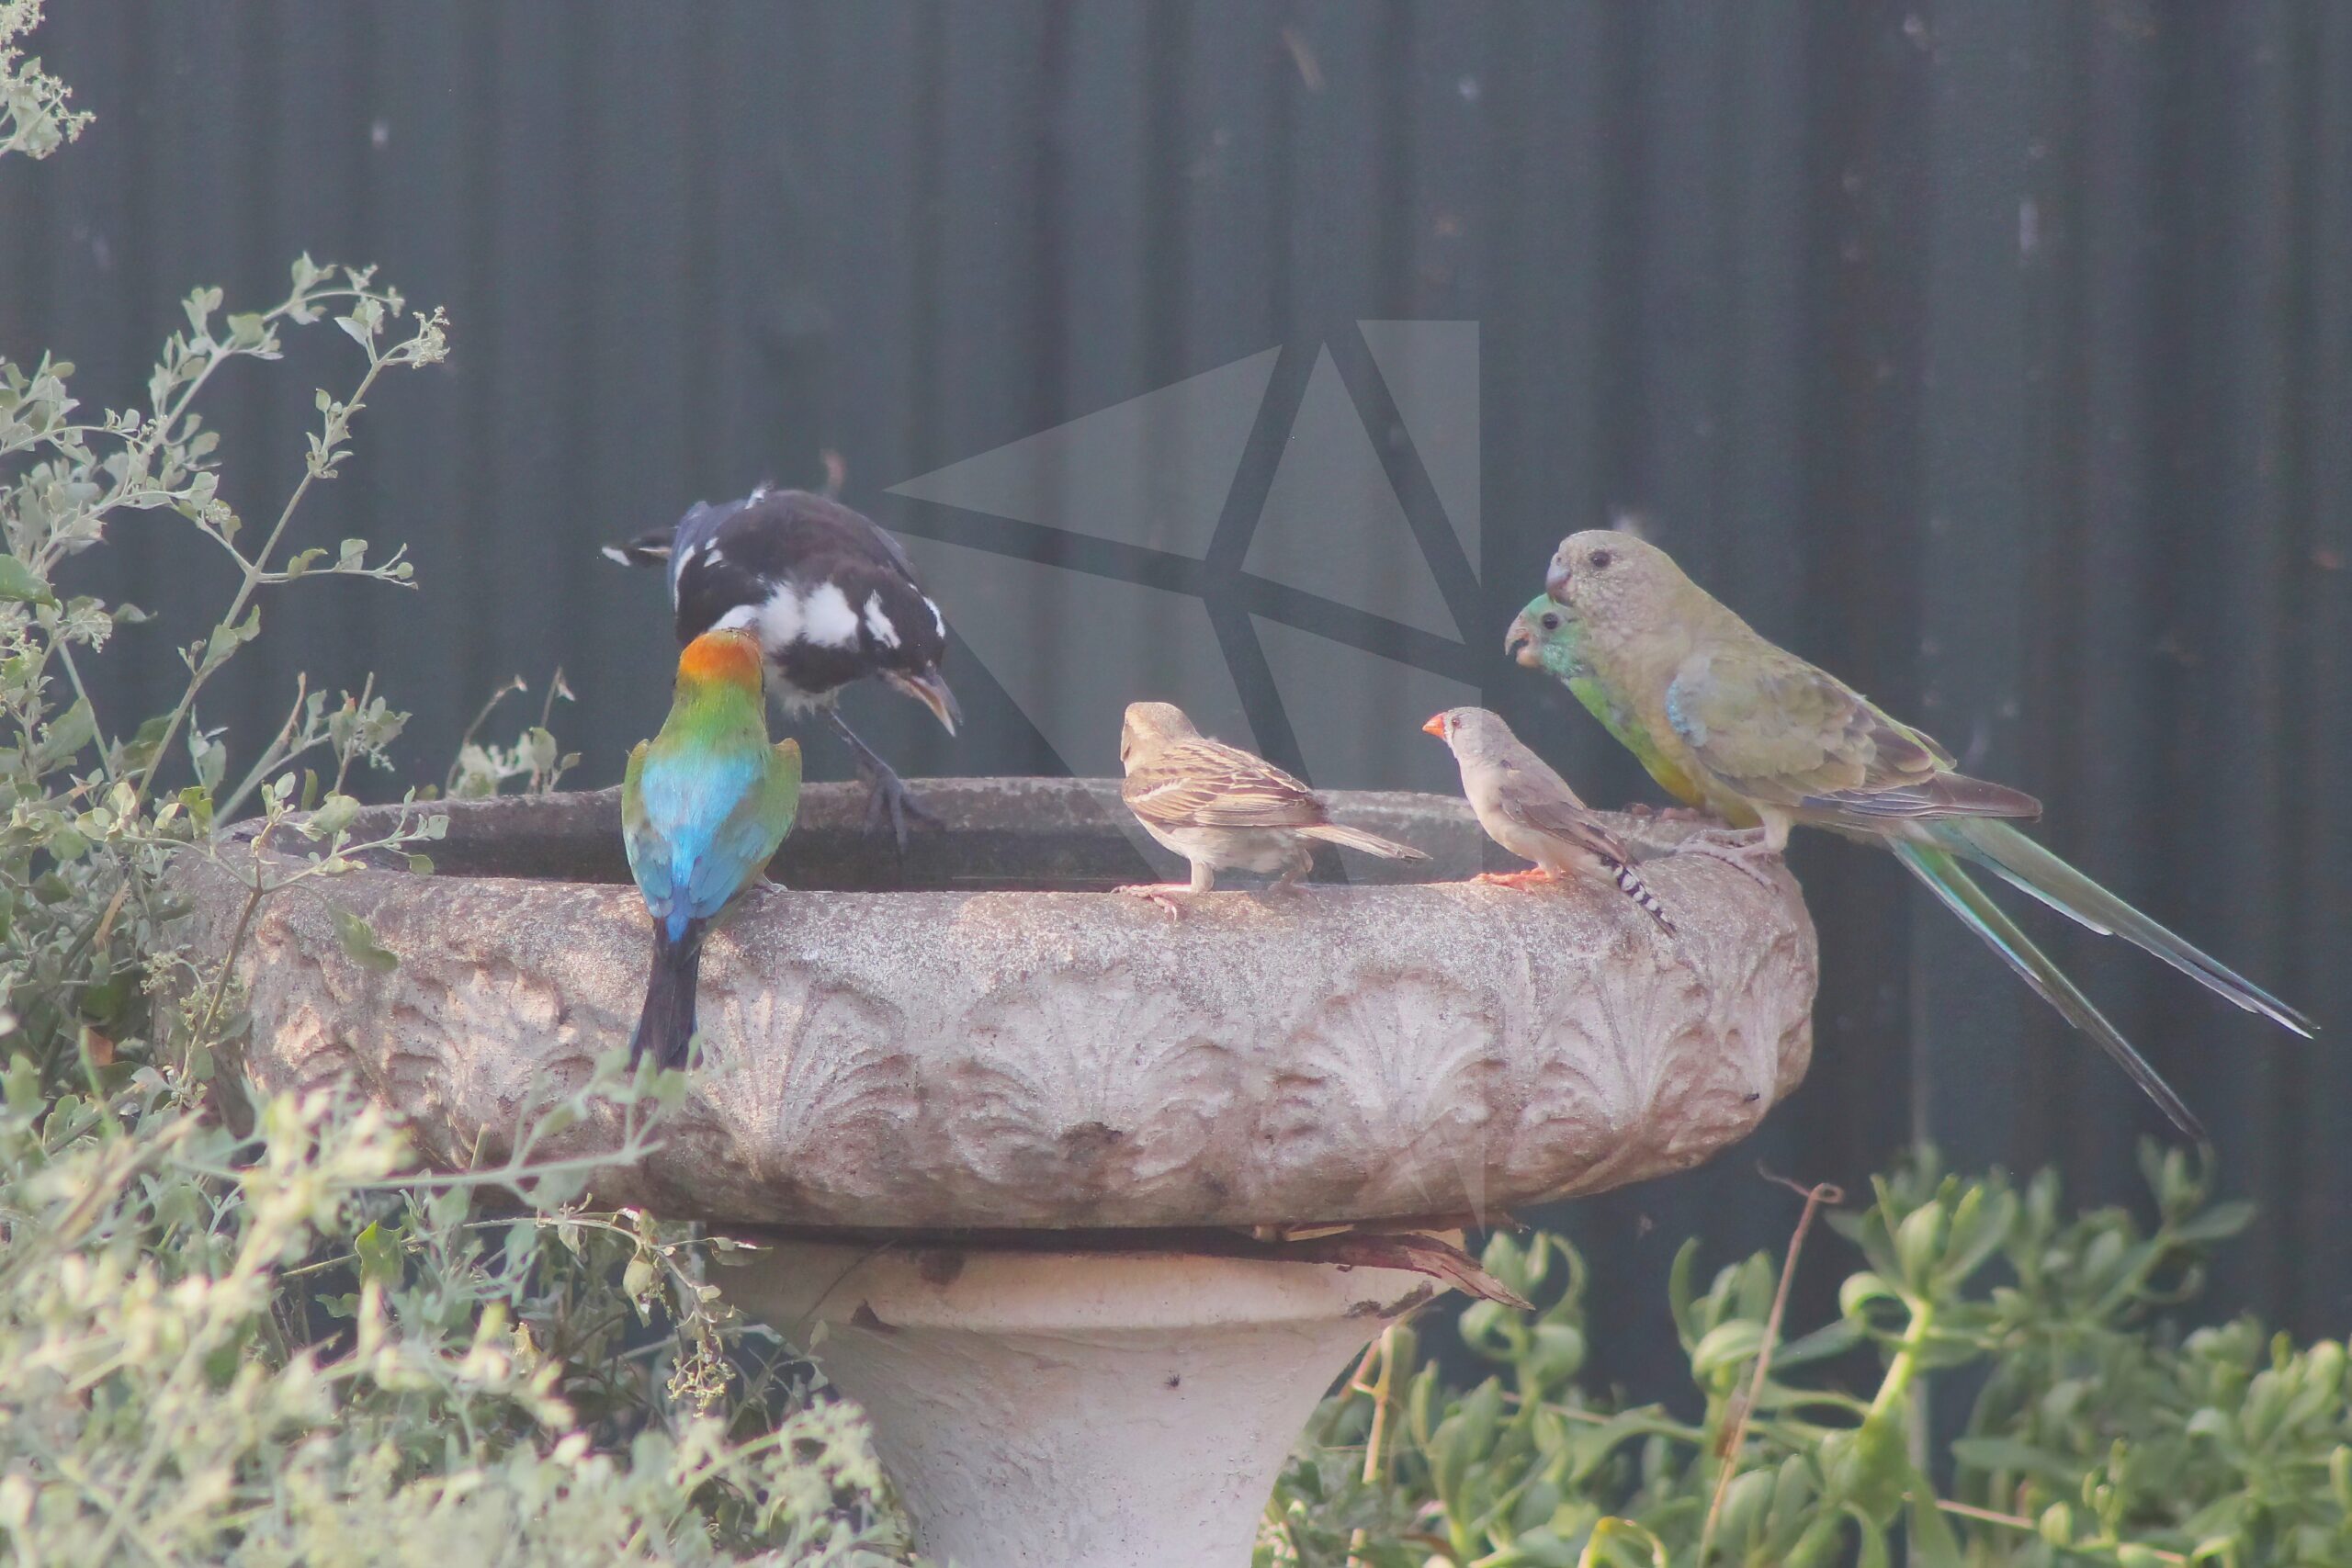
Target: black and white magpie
[{"x": 832, "y": 598}]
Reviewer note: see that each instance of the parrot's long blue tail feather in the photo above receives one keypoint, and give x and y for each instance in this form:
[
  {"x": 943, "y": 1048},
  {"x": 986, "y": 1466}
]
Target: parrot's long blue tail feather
[
  {"x": 666, "y": 1026},
  {"x": 2033, "y": 869},
  {"x": 1948, "y": 880}
]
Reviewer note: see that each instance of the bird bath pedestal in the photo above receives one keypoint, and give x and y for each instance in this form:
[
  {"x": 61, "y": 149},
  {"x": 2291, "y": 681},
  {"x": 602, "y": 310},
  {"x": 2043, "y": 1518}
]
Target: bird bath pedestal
[{"x": 1058, "y": 1175}]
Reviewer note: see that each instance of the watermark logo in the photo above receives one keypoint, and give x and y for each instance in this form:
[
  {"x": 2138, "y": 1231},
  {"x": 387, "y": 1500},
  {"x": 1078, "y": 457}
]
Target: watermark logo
[{"x": 1286, "y": 547}]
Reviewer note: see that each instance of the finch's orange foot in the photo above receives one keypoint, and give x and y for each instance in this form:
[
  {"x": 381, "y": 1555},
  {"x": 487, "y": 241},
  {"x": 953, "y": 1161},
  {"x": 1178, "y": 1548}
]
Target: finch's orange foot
[
  {"x": 1534, "y": 876},
  {"x": 1163, "y": 894}
]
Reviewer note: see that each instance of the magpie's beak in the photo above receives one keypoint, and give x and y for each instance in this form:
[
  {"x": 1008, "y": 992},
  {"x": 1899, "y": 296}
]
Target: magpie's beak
[
  {"x": 1520, "y": 643},
  {"x": 1436, "y": 725},
  {"x": 932, "y": 692},
  {"x": 1555, "y": 582}
]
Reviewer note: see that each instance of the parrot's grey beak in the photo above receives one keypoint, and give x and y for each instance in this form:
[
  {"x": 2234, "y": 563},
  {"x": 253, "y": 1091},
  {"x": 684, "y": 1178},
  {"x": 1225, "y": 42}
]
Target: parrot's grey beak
[
  {"x": 1519, "y": 642},
  {"x": 1555, "y": 582},
  {"x": 932, "y": 692}
]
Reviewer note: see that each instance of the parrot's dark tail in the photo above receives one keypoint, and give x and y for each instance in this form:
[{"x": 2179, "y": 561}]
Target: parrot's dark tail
[
  {"x": 646, "y": 549},
  {"x": 666, "y": 1027}
]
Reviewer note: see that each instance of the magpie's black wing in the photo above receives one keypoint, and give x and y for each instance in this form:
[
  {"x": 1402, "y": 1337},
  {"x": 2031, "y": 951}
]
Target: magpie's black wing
[{"x": 830, "y": 595}]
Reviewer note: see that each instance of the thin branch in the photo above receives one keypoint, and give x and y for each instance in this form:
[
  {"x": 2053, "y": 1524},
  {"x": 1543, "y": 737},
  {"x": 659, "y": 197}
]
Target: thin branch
[
  {"x": 513, "y": 683},
  {"x": 281, "y": 748},
  {"x": 97, "y": 733},
  {"x": 312, "y": 472},
  {"x": 1735, "y": 1432},
  {"x": 2018, "y": 1522},
  {"x": 1375, "y": 1458}
]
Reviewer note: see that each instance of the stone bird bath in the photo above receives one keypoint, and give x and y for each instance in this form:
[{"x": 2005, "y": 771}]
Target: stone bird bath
[{"x": 1038, "y": 1157}]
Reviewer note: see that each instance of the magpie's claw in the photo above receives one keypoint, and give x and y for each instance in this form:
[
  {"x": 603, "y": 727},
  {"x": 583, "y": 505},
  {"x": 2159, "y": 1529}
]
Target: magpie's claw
[{"x": 890, "y": 804}]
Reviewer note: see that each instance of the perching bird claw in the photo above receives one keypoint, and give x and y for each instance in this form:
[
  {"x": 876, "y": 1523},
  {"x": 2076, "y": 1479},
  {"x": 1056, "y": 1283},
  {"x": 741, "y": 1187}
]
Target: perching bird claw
[
  {"x": 890, "y": 804},
  {"x": 1644, "y": 811},
  {"x": 1164, "y": 894},
  {"x": 1533, "y": 876},
  {"x": 1749, "y": 849}
]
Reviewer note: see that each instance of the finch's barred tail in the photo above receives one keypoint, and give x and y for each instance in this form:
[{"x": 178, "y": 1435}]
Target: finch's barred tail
[
  {"x": 667, "y": 1024},
  {"x": 1631, "y": 885},
  {"x": 1356, "y": 839}
]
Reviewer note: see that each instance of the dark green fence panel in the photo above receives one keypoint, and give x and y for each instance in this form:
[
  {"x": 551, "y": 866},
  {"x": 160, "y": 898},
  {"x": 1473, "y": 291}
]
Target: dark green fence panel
[{"x": 1997, "y": 355}]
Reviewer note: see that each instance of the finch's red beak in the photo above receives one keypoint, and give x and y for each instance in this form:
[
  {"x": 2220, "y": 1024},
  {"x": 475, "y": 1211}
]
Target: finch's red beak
[{"x": 1436, "y": 725}]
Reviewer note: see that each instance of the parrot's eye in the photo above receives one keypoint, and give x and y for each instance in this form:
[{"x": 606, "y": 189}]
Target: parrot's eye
[
  {"x": 1599, "y": 559},
  {"x": 1551, "y": 620}
]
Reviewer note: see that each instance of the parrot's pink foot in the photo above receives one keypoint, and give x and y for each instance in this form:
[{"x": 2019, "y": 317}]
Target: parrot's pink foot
[
  {"x": 1749, "y": 849},
  {"x": 1645, "y": 810},
  {"x": 1164, "y": 894},
  {"x": 1532, "y": 877}
]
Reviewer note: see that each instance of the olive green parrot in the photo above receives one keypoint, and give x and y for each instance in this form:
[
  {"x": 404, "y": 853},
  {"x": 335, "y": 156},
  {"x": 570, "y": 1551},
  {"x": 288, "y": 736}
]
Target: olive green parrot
[{"x": 1725, "y": 720}]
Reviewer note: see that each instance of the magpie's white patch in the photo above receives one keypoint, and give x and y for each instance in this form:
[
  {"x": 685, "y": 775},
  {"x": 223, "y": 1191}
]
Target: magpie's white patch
[
  {"x": 826, "y": 617},
  {"x": 616, "y": 555},
  {"x": 713, "y": 558},
  {"x": 879, "y": 624},
  {"x": 936, "y": 619},
  {"x": 778, "y": 618},
  {"x": 742, "y": 616}
]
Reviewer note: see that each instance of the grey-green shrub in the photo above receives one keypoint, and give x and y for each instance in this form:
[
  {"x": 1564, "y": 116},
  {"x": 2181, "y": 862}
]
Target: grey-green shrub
[
  {"x": 2102, "y": 1432},
  {"x": 287, "y": 1344}
]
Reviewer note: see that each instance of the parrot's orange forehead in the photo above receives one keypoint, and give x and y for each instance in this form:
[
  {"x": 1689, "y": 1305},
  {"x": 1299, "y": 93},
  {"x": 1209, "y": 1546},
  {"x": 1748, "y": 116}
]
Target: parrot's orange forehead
[{"x": 729, "y": 655}]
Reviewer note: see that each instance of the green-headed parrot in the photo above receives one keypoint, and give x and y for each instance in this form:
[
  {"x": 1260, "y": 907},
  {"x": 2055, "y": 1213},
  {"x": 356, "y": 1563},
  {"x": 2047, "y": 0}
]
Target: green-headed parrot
[{"x": 1725, "y": 720}]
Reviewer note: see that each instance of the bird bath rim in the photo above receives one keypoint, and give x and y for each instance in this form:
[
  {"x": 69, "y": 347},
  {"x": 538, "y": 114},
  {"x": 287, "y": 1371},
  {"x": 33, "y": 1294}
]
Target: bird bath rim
[{"x": 952, "y": 1056}]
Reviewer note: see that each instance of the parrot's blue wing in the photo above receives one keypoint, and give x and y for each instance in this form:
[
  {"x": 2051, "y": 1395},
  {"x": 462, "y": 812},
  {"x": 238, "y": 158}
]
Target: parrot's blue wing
[
  {"x": 648, "y": 851},
  {"x": 737, "y": 854},
  {"x": 742, "y": 845},
  {"x": 688, "y": 802}
]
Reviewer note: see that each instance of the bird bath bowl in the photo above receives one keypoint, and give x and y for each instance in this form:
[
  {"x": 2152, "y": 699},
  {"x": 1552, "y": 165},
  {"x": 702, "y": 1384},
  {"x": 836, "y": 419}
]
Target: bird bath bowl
[{"x": 1037, "y": 1156}]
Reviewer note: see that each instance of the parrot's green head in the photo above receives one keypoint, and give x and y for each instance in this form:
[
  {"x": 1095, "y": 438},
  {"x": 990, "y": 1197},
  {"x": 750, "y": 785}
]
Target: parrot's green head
[{"x": 1544, "y": 637}]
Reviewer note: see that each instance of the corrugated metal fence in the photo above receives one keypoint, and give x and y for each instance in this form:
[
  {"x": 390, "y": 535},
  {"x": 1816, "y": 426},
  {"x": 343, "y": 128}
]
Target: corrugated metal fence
[{"x": 1997, "y": 355}]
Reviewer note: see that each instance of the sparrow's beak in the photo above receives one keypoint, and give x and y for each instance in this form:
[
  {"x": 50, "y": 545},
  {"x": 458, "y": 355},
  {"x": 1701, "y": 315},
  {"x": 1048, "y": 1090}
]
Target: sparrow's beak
[
  {"x": 1555, "y": 582},
  {"x": 1436, "y": 725},
  {"x": 932, "y": 692},
  {"x": 1520, "y": 643}
]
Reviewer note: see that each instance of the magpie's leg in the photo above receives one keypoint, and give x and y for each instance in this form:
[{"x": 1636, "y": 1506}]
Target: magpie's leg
[{"x": 889, "y": 801}]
